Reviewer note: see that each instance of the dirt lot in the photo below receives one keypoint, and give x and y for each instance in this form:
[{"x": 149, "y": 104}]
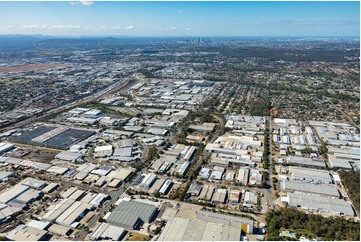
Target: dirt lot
[{"x": 31, "y": 67}]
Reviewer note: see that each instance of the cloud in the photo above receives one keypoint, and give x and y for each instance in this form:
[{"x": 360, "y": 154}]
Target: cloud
[
  {"x": 86, "y": 3},
  {"x": 118, "y": 27},
  {"x": 180, "y": 11},
  {"x": 188, "y": 29},
  {"x": 45, "y": 26},
  {"x": 291, "y": 22},
  {"x": 173, "y": 28},
  {"x": 9, "y": 27}
]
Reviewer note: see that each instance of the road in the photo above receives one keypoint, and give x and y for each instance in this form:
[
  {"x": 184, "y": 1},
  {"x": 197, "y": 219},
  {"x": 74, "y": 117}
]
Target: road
[{"x": 270, "y": 182}]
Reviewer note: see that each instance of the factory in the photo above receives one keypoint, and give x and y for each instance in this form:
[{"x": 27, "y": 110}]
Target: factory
[
  {"x": 107, "y": 232},
  {"x": 310, "y": 175},
  {"x": 103, "y": 151},
  {"x": 309, "y": 188},
  {"x": 69, "y": 156},
  {"x": 27, "y": 233},
  {"x": 73, "y": 214},
  {"x": 130, "y": 214},
  {"x": 5, "y": 147},
  {"x": 186, "y": 229},
  {"x": 148, "y": 181},
  {"x": 319, "y": 204}
]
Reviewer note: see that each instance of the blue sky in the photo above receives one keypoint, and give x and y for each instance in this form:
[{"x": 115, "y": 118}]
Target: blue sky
[{"x": 181, "y": 18}]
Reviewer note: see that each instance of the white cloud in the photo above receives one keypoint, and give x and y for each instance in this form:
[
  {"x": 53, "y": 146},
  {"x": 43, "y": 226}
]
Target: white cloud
[
  {"x": 86, "y": 3},
  {"x": 9, "y": 27},
  {"x": 45, "y": 26},
  {"x": 117, "y": 27},
  {"x": 188, "y": 29},
  {"x": 180, "y": 11},
  {"x": 173, "y": 28}
]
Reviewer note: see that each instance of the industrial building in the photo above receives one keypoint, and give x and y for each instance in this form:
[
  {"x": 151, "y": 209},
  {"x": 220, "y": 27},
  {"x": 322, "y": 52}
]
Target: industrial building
[
  {"x": 13, "y": 193},
  {"x": 34, "y": 183},
  {"x": 73, "y": 213},
  {"x": 148, "y": 181},
  {"x": 319, "y": 204},
  {"x": 129, "y": 214},
  {"x": 186, "y": 229},
  {"x": 27, "y": 233},
  {"x": 69, "y": 156},
  {"x": 243, "y": 223},
  {"x": 309, "y": 188},
  {"x": 103, "y": 151},
  {"x": 310, "y": 175},
  {"x": 107, "y": 232}
]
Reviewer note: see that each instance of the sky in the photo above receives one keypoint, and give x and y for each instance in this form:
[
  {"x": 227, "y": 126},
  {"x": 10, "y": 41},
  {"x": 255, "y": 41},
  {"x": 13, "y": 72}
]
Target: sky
[{"x": 181, "y": 18}]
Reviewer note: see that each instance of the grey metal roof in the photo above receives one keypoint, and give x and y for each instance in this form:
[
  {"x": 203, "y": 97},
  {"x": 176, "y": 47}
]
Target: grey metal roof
[
  {"x": 320, "y": 203},
  {"x": 310, "y": 188},
  {"x": 128, "y": 212}
]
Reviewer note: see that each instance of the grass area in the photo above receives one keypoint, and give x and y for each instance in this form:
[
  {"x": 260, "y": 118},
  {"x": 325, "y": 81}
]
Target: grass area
[
  {"x": 13, "y": 81},
  {"x": 133, "y": 236},
  {"x": 309, "y": 81}
]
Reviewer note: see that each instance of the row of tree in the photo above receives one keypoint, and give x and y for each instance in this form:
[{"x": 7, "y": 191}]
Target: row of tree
[
  {"x": 351, "y": 180},
  {"x": 310, "y": 225}
]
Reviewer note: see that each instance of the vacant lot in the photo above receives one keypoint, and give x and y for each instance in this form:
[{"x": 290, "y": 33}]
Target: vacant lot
[{"x": 32, "y": 67}]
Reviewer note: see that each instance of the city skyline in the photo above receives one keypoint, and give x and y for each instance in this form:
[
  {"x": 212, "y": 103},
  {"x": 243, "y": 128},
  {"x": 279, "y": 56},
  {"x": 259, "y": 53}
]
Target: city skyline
[{"x": 299, "y": 19}]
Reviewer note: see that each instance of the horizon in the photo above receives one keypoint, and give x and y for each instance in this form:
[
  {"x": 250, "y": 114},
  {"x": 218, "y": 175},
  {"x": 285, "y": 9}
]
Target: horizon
[{"x": 182, "y": 19}]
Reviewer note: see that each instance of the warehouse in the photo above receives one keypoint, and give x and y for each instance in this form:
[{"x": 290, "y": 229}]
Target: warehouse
[
  {"x": 195, "y": 189},
  {"x": 27, "y": 233},
  {"x": 7, "y": 211},
  {"x": 165, "y": 187},
  {"x": 207, "y": 193},
  {"x": 220, "y": 196},
  {"x": 103, "y": 151},
  {"x": 310, "y": 175},
  {"x": 204, "y": 173},
  {"x": 68, "y": 192},
  {"x": 99, "y": 199},
  {"x": 86, "y": 167},
  {"x": 340, "y": 162},
  {"x": 60, "y": 230},
  {"x": 88, "y": 197},
  {"x": 34, "y": 183},
  {"x": 319, "y": 203},
  {"x": 50, "y": 188},
  {"x": 58, "y": 170},
  {"x": 234, "y": 196},
  {"x": 107, "y": 232},
  {"x": 126, "y": 143},
  {"x": 148, "y": 181},
  {"x": 309, "y": 188},
  {"x": 12, "y": 193},
  {"x": 306, "y": 162},
  {"x": 38, "y": 224},
  {"x": 238, "y": 222},
  {"x": 4, "y": 147},
  {"x": 5, "y": 175},
  {"x": 69, "y": 156},
  {"x": 216, "y": 175},
  {"x": 28, "y": 197},
  {"x": 120, "y": 174},
  {"x": 129, "y": 214},
  {"x": 243, "y": 175},
  {"x": 55, "y": 211},
  {"x": 76, "y": 211},
  {"x": 76, "y": 195},
  {"x": 115, "y": 183},
  {"x": 185, "y": 229},
  {"x": 102, "y": 171}
]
